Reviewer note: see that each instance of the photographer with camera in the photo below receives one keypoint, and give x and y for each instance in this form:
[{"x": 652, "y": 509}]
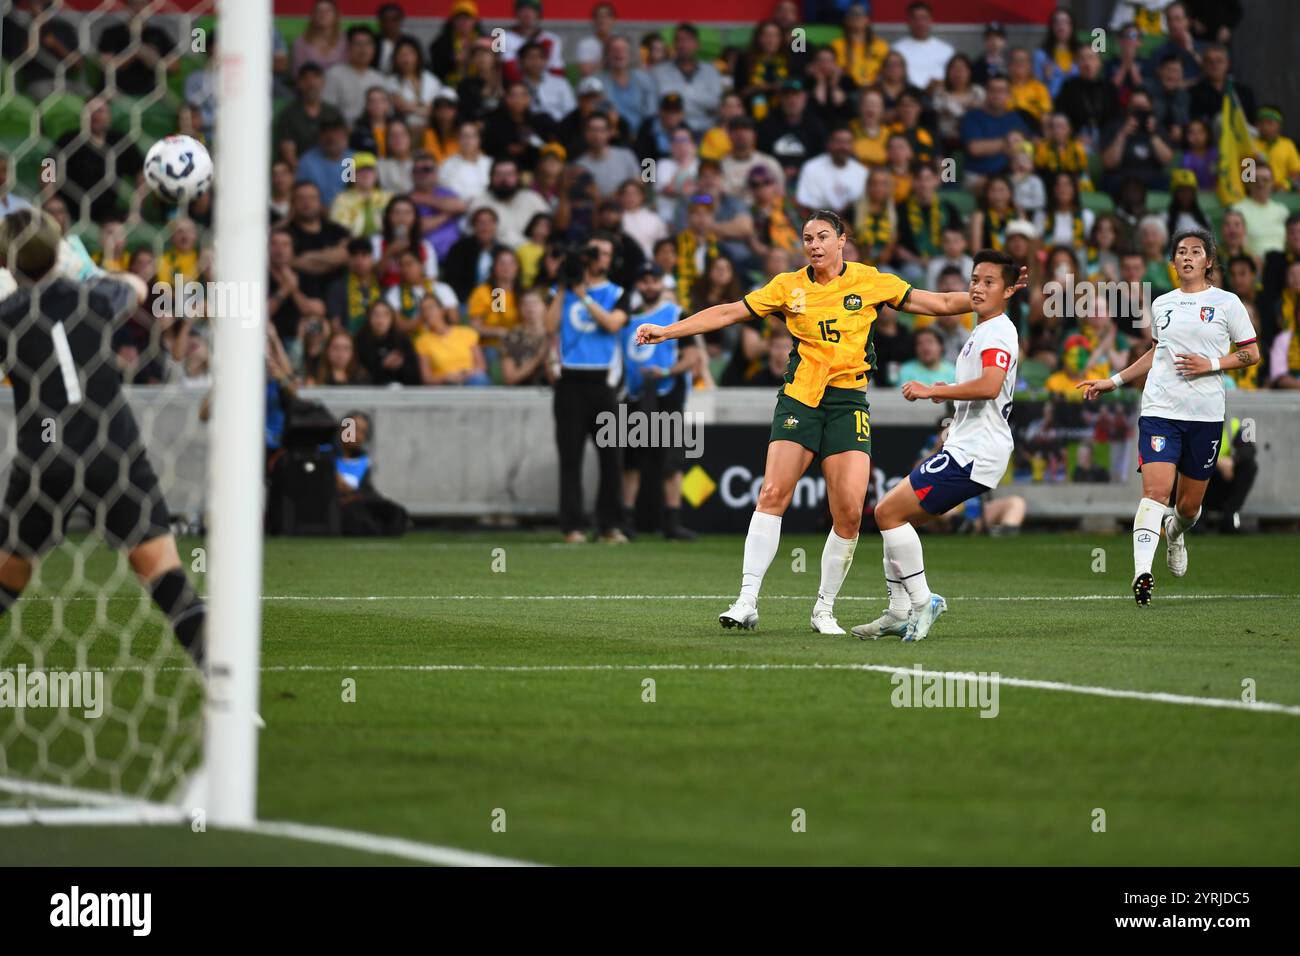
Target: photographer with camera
[
  {"x": 1136, "y": 148},
  {"x": 587, "y": 310}
]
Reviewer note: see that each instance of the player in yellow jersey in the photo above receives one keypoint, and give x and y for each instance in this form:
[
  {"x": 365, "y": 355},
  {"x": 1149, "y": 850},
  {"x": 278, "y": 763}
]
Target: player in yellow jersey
[{"x": 821, "y": 410}]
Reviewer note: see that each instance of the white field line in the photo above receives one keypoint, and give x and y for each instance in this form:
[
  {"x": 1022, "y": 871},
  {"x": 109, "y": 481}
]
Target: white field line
[
  {"x": 97, "y": 808},
  {"x": 1159, "y": 697},
  {"x": 345, "y": 598}
]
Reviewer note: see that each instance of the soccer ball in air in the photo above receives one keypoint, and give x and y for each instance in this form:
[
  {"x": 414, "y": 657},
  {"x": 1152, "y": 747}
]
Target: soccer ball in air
[{"x": 178, "y": 168}]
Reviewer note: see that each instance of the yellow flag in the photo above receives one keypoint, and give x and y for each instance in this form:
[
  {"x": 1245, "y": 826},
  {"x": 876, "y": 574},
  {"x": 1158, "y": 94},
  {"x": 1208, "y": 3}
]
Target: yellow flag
[{"x": 1235, "y": 144}]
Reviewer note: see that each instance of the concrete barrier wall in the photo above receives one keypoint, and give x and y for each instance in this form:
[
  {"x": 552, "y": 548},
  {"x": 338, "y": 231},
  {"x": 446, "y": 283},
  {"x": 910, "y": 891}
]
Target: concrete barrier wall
[{"x": 448, "y": 452}]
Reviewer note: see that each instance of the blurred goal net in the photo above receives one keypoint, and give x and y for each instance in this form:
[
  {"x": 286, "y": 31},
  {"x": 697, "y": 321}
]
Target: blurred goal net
[{"x": 103, "y": 714}]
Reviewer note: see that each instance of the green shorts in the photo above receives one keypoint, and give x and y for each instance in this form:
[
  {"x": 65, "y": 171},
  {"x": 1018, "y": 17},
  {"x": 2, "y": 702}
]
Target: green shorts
[{"x": 842, "y": 422}]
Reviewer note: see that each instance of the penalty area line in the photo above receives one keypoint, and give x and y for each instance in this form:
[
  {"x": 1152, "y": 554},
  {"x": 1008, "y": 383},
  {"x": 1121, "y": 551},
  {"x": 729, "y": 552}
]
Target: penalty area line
[{"x": 732, "y": 597}]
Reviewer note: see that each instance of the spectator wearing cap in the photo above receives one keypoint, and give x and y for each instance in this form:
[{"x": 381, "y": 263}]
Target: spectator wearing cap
[
  {"x": 926, "y": 54},
  {"x": 467, "y": 172},
  {"x": 527, "y": 29},
  {"x": 514, "y": 204},
  {"x": 608, "y": 165},
  {"x": 640, "y": 221},
  {"x": 631, "y": 89},
  {"x": 449, "y": 53},
  {"x": 322, "y": 44},
  {"x": 589, "y": 56},
  {"x": 744, "y": 158},
  {"x": 327, "y": 163},
  {"x": 992, "y": 60},
  {"x": 791, "y": 134},
  {"x": 591, "y": 102},
  {"x": 699, "y": 84},
  {"x": 549, "y": 172},
  {"x": 441, "y": 135},
  {"x": 551, "y": 94},
  {"x": 833, "y": 180},
  {"x": 391, "y": 18},
  {"x": 298, "y": 127},
  {"x": 347, "y": 83},
  {"x": 830, "y": 91},
  {"x": 716, "y": 143},
  {"x": 1279, "y": 150},
  {"x": 360, "y": 207},
  {"x": 348, "y": 299},
  {"x": 984, "y": 132},
  {"x": 655, "y": 137},
  {"x": 858, "y": 51}
]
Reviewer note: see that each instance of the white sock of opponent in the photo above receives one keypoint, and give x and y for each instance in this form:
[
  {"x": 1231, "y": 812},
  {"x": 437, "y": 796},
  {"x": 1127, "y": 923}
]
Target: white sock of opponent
[
  {"x": 899, "y": 604},
  {"x": 760, "y": 548},
  {"x": 1146, "y": 534},
  {"x": 1181, "y": 524},
  {"x": 903, "y": 552},
  {"x": 837, "y": 556}
]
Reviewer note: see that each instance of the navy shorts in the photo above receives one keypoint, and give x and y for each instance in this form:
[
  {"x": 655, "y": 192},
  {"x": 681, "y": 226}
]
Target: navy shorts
[
  {"x": 941, "y": 484},
  {"x": 1193, "y": 447}
]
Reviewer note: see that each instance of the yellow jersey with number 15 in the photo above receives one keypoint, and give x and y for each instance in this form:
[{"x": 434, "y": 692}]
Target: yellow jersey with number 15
[{"x": 831, "y": 325}]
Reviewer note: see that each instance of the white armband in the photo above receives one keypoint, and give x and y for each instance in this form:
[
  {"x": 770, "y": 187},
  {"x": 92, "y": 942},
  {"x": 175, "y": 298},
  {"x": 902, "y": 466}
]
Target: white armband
[
  {"x": 1215, "y": 365},
  {"x": 1118, "y": 379}
]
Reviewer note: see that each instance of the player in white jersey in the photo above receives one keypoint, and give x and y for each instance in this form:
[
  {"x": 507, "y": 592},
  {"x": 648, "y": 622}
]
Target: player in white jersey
[
  {"x": 1200, "y": 331},
  {"x": 972, "y": 460}
]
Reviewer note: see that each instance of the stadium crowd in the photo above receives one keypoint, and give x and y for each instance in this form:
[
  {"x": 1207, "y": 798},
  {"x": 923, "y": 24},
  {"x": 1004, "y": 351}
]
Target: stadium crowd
[{"x": 424, "y": 197}]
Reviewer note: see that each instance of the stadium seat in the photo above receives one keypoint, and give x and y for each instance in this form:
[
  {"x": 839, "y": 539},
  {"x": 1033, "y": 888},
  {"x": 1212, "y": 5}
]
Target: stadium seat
[
  {"x": 1034, "y": 373},
  {"x": 1157, "y": 201},
  {"x": 61, "y": 113},
  {"x": 17, "y": 118},
  {"x": 1289, "y": 199},
  {"x": 1099, "y": 203},
  {"x": 962, "y": 201}
]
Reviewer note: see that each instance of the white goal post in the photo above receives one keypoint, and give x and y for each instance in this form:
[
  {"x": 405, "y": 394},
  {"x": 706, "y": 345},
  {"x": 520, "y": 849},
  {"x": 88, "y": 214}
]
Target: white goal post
[{"x": 166, "y": 750}]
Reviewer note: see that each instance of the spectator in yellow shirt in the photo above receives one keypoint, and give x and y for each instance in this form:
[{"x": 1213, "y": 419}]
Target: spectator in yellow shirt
[
  {"x": 181, "y": 257},
  {"x": 360, "y": 207},
  {"x": 493, "y": 307},
  {"x": 449, "y": 354},
  {"x": 859, "y": 52},
  {"x": 1280, "y": 150},
  {"x": 113, "y": 255},
  {"x": 870, "y": 134},
  {"x": 1027, "y": 93},
  {"x": 1059, "y": 151}
]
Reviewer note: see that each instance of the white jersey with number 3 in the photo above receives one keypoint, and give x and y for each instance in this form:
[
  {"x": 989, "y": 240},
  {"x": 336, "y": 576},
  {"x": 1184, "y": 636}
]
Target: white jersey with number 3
[
  {"x": 1204, "y": 323},
  {"x": 980, "y": 433}
]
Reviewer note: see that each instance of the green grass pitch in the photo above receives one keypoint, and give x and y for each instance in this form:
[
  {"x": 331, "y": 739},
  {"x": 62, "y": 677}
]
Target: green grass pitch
[{"x": 480, "y": 687}]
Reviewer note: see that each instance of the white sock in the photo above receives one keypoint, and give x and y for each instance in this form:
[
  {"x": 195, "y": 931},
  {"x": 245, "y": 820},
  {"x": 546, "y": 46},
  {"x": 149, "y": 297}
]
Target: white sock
[
  {"x": 760, "y": 548},
  {"x": 903, "y": 552},
  {"x": 837, "y": 557},
  {"x": 1146, "y": 534},
  {"x": 1180, "y": 525},
  {"x": 899, "y": 605}
]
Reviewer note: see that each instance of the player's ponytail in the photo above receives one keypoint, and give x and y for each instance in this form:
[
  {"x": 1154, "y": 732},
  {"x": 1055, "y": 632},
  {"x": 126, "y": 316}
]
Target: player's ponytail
[{"x": 1207, "y": 241}]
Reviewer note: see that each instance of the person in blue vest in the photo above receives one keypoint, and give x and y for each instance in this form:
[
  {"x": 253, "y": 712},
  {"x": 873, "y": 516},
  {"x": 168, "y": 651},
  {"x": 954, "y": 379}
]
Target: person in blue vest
[
  {"x": 657, "y": 379},
  {"x": 588, "y": 311}
]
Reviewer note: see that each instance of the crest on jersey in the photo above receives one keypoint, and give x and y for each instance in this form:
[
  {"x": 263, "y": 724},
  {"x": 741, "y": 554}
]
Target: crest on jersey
[
  {"x": 1157, "y": 442},
  {"x": 853, "y": 302},
  {"x": 790, "y": 422},
  {"x": 1207, "y": 313}
]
